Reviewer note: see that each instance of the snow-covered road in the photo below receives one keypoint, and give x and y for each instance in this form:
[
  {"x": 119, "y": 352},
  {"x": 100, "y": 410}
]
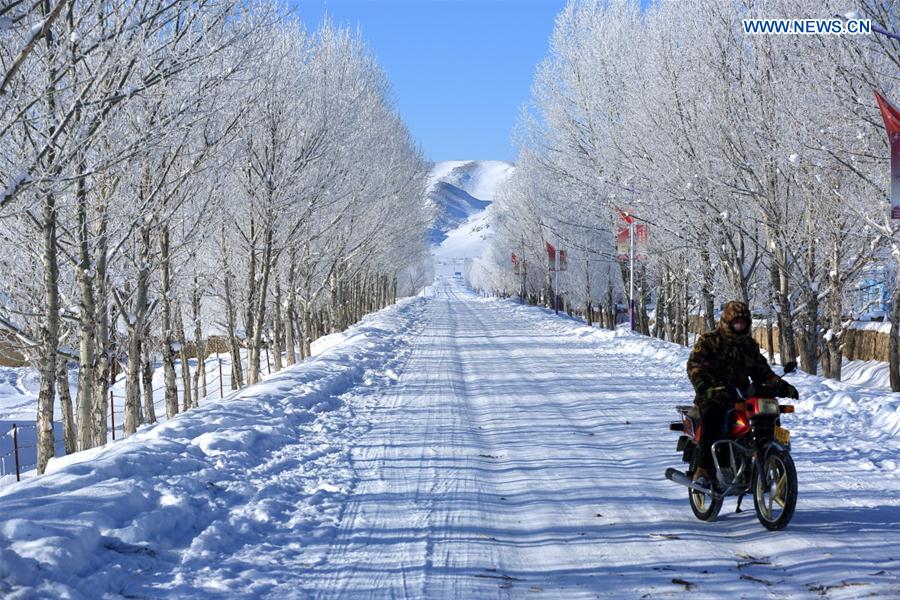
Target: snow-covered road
[
  {"x": 520, "y": 454},
  {"x": 457, "y": 447},
  {"x": 502, "y": 462}
]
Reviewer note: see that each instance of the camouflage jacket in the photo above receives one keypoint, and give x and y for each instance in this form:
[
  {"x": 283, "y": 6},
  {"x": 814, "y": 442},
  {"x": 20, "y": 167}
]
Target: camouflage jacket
[{"x": 723, "y": 359}]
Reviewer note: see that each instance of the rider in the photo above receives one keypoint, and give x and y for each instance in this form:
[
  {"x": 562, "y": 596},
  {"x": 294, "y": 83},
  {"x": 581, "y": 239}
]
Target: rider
[{"x": 722, "y": 360}]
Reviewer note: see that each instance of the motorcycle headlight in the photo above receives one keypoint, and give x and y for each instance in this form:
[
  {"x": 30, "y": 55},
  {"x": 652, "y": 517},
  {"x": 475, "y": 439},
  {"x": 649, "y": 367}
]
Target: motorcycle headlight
[{"x": 768, "y": 406}]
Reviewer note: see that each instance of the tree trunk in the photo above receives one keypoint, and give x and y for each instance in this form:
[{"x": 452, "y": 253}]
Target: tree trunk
[
  {"x": 252, "y": 283},
  {"x": 147, "y": 378},
  {"x": 658, "y": 312},
  {"x": 833, "y": 342},
  {"x": 250, "y": 314},
  {"x": 277, "y": 327},
  {"x": 168, "y": 355},
  {"x": 894, "y": 355},
  {"x": 105, "y": 315},
  {"x": 260, "y": 311},
  {"x": 88, "y": 327},
  {"x": 334, "y": 307},
  {"x": 672, "y": 300},
  {"x": 237, "y": 376},
  {"x": 610, "y": 305},
  {"x": 187, "y": 397},
  {"x": 70, "y": 436},
  {"x": 133, "y": 380},
  {"x": 809, "y": 359},
  {"x": 290, "y": 316},
  {"x": 199, "y": 345},
  {"x": 686, "y": 311},
  {"x": 306, "y": 346},
  {"x": 706, "y": 291},
  {"x": 642, "y": 307},
  {"x": 810, "y": 338},
  {"x": 49, "y": 337},
  {"x": 46, "y": 445},
  {"x": 894, "y": 347},
  {"x": 136, "y": 326},
  {"x": 787, "y": 346}
]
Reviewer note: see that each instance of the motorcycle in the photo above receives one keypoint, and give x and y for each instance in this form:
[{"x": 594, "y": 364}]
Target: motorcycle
[{"x": 754, "y": 457}]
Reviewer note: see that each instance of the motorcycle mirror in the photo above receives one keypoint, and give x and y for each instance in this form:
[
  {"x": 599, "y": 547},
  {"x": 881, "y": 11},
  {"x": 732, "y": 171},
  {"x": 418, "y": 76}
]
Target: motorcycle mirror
[{"x": 790, "y": 367}]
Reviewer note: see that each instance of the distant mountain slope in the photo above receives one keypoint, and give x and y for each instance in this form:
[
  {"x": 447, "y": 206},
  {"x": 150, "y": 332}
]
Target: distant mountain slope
[
  {"x": 460, "y": 189},
  {"x": 454, "y": 207}
]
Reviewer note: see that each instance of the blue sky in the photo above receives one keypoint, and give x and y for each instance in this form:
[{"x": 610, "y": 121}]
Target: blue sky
[{"x": 460, "y": 69}]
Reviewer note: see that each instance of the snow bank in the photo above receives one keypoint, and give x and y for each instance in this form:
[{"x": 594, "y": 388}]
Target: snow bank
[{"x": 101, "y": 519}]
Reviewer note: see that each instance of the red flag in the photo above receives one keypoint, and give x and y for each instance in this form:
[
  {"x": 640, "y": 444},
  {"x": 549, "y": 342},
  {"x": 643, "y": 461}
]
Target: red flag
[
  {"x": 891, "y": 118},
  {"x": 517, "y": 264},
  {"x": 622, "y": 243},
  {"x": 641, "y": 237},
  {"x": 551, "y": 256}
]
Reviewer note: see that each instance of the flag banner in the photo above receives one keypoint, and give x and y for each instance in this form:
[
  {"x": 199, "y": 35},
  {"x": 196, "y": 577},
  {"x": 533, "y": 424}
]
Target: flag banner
[
  {"x": 622, "y": 244},
  {"x": 517, "y": 266},
  {"x": 551, "y": 256},
  {"x": 563, "y": 260},
  {"x": 641, "y": 237},
  {"x": 891, "y": 117}
]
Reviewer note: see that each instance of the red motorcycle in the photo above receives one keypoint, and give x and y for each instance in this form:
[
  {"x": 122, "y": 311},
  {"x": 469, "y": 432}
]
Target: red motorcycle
[{"x": 754, "y": 456}]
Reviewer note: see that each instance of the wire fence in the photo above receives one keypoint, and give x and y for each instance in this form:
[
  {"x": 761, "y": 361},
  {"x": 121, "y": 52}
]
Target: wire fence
[
  {"x": 11, "y": 461},
  {"x": 18, "y": 444},
  {"x": 218, "y": 384}
]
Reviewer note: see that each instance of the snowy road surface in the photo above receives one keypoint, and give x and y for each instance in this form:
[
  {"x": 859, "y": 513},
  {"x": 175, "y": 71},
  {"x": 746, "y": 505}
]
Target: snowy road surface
[{"x": 456, "y": 447}]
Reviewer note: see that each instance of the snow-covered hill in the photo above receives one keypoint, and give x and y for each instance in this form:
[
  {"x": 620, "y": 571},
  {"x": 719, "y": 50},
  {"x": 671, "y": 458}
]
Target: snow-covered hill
[{"x": 460, "y": 192}]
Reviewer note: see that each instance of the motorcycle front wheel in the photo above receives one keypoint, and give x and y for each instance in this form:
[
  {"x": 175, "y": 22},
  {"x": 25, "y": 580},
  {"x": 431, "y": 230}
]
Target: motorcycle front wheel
[
  {"x": 775, "y": 490},
  {"x": 705, "y": 507}
]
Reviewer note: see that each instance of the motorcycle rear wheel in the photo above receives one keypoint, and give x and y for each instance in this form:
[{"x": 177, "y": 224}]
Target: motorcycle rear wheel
[
  {"x": 705, "y": 507},
  {"x": 775, "y": 490}
]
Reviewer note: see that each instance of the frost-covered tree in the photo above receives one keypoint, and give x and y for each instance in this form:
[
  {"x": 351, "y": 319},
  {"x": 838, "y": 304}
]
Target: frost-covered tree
[
  {"x": 157, "y": 158},
  {"x": 758, "y": 162}
]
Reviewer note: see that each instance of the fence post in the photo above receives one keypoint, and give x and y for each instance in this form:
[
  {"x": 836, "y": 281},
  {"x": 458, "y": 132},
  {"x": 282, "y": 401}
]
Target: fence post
[
  {"x": 112, "y": 413},
  {"x": 16, "y": 451},
  {"x": 219, "y": 358}
]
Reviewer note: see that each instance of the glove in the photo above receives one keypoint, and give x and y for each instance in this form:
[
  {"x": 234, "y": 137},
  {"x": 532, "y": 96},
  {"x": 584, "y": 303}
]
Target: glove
[{"x": 786, "y": 390}]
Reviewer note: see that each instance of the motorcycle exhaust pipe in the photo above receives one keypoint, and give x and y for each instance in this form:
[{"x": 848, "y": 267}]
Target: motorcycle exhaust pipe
[{"x": 679, "y": 477}]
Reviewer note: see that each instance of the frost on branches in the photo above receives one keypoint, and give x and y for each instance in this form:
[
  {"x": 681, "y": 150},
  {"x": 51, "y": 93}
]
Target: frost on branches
[
  {"x": 759, "y": 164},
  {"x": 239, "y": 185}
]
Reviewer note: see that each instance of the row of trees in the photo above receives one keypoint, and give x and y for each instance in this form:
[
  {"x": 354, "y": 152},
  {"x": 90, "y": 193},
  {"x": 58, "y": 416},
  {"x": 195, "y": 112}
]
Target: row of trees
[
  {"x": 759, "y": 162},
  {"x": 173, "y": 168}
]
